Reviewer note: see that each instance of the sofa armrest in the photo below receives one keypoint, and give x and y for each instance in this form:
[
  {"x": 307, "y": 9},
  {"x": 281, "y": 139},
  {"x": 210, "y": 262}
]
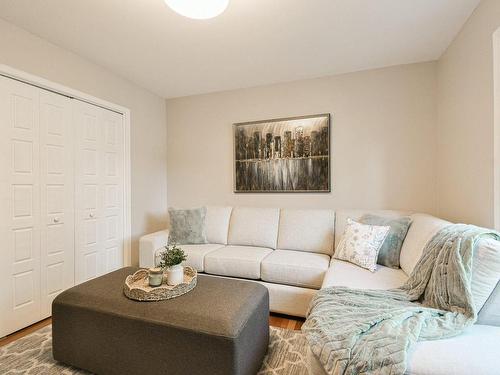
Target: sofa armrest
[{"x": 149, "y": 246}]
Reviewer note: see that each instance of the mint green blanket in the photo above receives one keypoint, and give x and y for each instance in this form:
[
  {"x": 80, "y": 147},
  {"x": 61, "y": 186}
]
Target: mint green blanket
[{"x": 354, "y": 331}]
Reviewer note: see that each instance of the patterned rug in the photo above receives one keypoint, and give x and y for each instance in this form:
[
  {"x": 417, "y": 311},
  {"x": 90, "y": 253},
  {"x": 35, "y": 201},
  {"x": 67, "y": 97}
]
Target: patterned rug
[{"x": 32, "y": 355}]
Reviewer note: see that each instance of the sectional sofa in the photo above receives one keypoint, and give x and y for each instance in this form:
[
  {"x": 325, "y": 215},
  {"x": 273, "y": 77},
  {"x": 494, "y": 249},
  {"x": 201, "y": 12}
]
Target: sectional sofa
[{"x": 290, "y": 252}]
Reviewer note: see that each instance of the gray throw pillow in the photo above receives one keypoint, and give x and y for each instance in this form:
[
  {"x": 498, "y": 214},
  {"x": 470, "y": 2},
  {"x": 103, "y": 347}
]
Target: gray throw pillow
[
  {"x": 187, "y": 226},
  {"x": 391, "y": 248}
]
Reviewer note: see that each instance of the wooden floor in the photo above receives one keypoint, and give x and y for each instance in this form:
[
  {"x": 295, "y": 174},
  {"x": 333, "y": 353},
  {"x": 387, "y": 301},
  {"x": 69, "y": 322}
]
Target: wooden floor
[
  {"x": 25, "y": 331},
  {"x": 275, "y": 320},
  {"x": 285, "y": 321}
]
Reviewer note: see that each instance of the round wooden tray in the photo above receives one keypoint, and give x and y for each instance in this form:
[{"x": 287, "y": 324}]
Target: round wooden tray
[{"x": 137, "y": 286}]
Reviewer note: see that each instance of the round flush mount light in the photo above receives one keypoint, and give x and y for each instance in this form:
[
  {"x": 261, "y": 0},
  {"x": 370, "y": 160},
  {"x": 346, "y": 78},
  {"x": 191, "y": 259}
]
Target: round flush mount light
[{"x": 198, "y": 9}]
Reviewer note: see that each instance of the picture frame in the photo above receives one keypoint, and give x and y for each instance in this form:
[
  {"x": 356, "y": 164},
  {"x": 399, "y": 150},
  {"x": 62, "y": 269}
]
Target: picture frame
[{"x": 283, "y": 155}]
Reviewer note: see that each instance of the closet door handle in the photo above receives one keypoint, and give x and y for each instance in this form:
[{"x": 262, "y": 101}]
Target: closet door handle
[
  {"x": 91, "y": 215},
  {"x": 56, "y": 220}
]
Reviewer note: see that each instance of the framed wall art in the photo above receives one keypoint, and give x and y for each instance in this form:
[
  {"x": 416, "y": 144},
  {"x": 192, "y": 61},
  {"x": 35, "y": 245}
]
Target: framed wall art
[{"x": 287, "y": 155}]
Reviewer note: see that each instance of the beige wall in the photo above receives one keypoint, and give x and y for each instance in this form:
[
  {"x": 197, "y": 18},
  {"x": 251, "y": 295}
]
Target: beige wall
[
  {"x": 465, "y": 121},
  {"x": 383, "y": 139},
  {"x": 31, "y": 54}
]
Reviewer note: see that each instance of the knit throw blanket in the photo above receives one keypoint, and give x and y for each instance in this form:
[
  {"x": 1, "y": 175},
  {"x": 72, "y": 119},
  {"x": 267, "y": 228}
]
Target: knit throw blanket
[{"x": 353, "y": 331}]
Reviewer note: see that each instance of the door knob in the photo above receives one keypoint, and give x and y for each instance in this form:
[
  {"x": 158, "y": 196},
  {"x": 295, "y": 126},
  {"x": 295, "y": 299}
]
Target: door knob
[
  {"x": 56, "y": 220},
  {"x": 91, "y": 215}
]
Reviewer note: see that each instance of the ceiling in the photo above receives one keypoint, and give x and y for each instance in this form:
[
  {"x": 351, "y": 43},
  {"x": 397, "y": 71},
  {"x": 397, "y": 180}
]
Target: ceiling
[{"x": 254, "y": 42}]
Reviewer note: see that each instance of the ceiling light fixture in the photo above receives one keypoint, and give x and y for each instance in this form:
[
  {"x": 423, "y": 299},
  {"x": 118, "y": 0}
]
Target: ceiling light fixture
[{"x": 198, "y": 9}]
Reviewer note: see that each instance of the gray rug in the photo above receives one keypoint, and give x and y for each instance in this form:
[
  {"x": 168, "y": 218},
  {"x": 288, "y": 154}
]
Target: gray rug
[{"x": 32, "y": 354}]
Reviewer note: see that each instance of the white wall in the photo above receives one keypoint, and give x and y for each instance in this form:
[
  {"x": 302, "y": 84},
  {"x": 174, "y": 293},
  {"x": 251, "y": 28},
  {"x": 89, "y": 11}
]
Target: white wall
[
  {"x": 383, "y": 139},
  {"x": 465, "y": 121},
  {"x": 24, "y": 51}
]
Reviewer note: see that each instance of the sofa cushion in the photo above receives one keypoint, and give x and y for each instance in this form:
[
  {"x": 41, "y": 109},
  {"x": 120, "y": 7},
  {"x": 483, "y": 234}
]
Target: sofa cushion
[
  {"x": 217, "y": 224},
  {"x": 475, "y": 351},
  {"x": 347, "y": 274},
  {"x": 236, "y": 261},
  {"x": 295, "y": 268},
  {"x": 341, "y": 217},
  {"x": 485, "y": 265},
  {"x": 422, "y": 229},
  {"x": 306, "y": 230},
  {"x": 196, "y": 254},
  {"x": 254, "y": 227}
]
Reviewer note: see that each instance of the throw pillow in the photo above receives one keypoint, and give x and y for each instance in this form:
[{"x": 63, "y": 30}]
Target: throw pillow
[
  {"x": 187, "y": 226},
  {"x": 391, "y": 248},
  {"x": 361, "y": 243}
]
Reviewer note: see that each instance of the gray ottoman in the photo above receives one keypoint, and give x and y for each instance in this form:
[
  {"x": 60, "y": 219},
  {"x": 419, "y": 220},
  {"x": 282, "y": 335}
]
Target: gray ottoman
[{"x": 220, "y": 327}]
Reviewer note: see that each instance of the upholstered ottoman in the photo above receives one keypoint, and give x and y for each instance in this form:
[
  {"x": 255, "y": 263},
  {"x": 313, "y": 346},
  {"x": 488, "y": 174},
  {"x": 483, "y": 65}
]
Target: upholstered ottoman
[{"x": 220, "y": 327}]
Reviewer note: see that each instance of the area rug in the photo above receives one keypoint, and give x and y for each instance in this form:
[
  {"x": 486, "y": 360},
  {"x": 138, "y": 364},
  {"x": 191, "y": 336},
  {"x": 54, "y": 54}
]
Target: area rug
[{"x": 32, "y": 355}]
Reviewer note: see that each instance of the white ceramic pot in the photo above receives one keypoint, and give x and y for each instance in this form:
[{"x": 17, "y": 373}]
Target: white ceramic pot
[{"x": 175, "y": 275}]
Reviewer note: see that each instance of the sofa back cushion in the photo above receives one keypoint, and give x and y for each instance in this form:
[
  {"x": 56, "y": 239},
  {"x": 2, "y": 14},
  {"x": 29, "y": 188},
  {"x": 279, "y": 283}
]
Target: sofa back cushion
[
  {"x": 217, "y": 224},
  {"x": 342, "y": 215},
  {"x": 485, "y": 264},
  {"x": 306, "y": 230},
  {"x": 423, "y": 227},
  {"x": 254, "y": 227}
]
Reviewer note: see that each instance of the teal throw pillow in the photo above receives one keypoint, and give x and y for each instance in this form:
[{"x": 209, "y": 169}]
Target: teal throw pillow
[{"x": 391, "y": 248}]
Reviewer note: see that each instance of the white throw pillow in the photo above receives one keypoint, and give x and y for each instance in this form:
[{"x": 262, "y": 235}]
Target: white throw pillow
[{"x": 361, "y": 243}]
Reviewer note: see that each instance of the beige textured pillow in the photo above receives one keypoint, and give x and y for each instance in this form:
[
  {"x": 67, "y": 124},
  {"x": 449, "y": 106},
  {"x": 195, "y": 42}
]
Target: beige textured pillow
[{"x": 361, "y": 243}]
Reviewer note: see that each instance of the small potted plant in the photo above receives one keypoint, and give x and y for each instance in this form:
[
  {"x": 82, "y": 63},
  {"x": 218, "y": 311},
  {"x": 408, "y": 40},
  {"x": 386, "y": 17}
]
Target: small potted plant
[{"x": 171, "y": 260}]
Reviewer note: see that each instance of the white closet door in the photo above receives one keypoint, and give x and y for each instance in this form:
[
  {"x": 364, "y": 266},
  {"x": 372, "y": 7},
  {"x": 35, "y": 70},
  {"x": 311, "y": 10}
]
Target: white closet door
[
  {"x": 113, "y": 208},
  {"x": 57, "y": 197},
  {"x": 99, "y": 191},
  {"x": 20, "y": 207},
  {"x": 88, "y": 204}
]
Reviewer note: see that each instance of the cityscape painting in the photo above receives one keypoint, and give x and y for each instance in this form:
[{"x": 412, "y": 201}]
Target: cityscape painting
[{"x": 283, "y": 155}]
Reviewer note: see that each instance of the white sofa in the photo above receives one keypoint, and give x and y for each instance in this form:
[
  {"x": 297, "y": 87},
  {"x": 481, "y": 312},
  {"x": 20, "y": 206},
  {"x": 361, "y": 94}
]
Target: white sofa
[{"x": 290, "y": 252}]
